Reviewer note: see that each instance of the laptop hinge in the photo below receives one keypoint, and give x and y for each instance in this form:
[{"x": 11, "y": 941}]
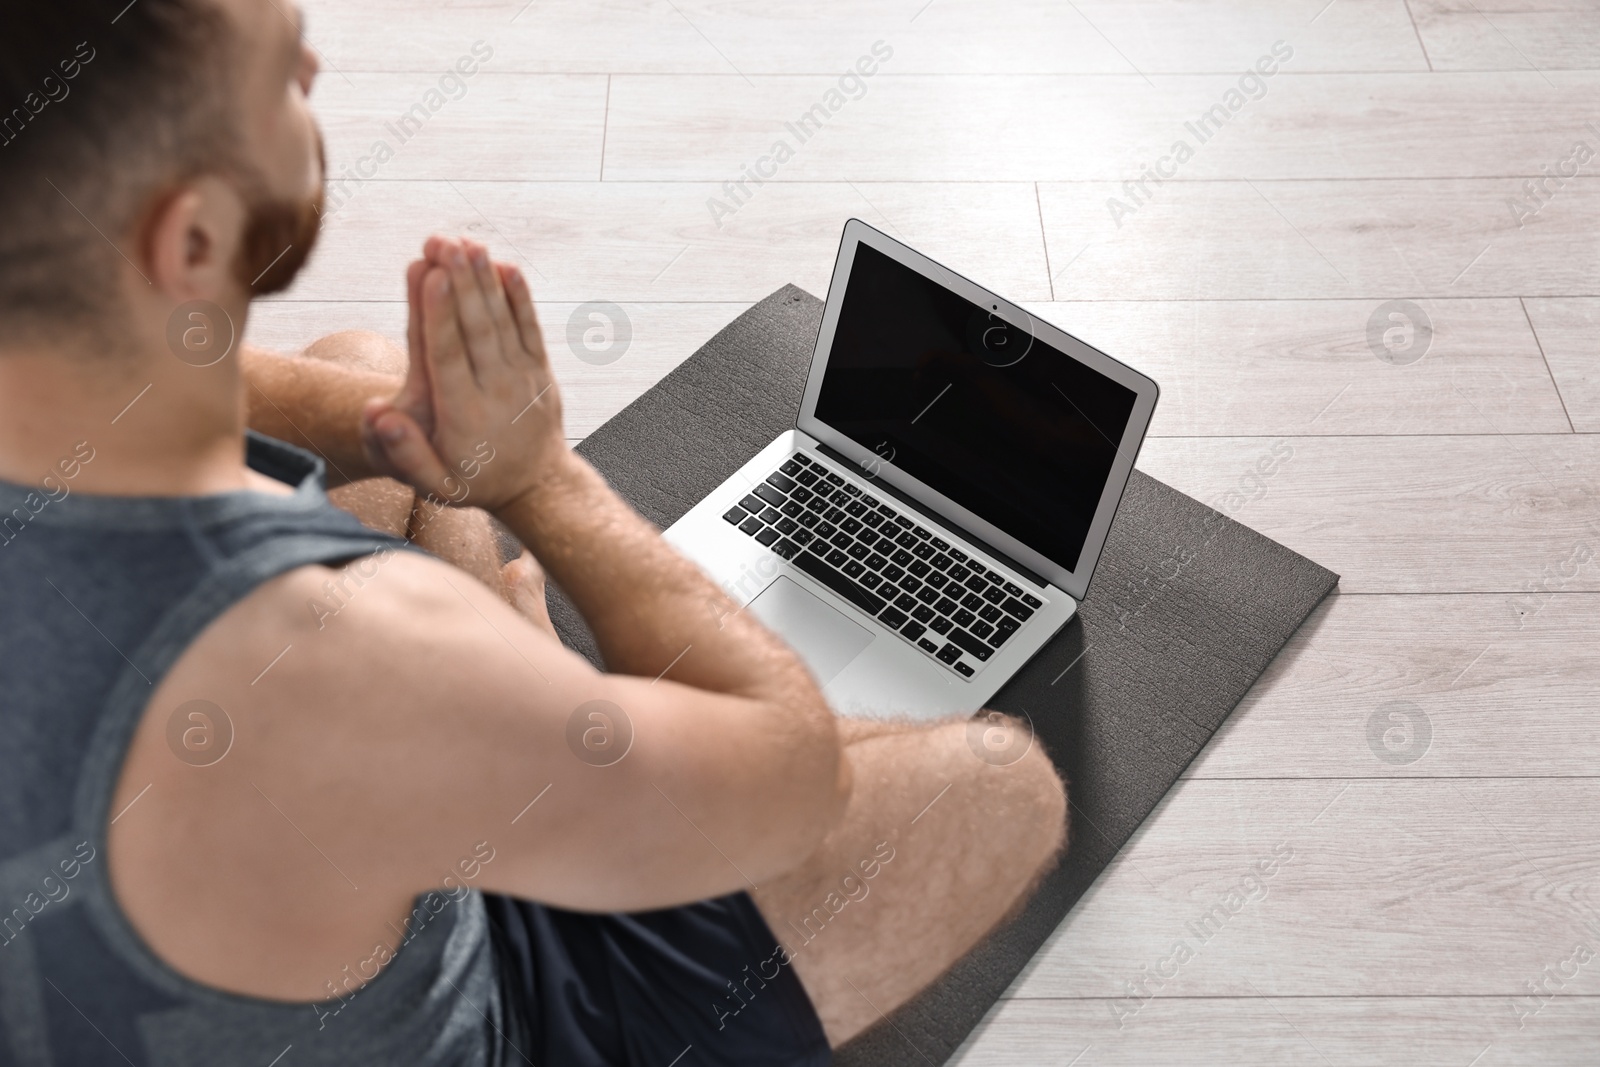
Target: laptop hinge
[{"x": 849, "y": 464}]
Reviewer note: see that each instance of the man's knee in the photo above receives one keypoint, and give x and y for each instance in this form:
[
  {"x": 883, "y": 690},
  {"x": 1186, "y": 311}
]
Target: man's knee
[
  {"x": 360, "y": 348},
  {"x": 1016, "y": 770}
]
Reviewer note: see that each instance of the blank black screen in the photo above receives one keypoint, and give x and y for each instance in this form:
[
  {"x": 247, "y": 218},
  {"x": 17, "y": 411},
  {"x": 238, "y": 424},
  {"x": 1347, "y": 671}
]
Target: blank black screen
[{"x": 934, "y": 383}]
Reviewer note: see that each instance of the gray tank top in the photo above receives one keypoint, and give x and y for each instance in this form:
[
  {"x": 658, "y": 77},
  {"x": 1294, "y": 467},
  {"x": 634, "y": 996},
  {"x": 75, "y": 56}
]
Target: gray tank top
[{"x": 98, "y": 597}]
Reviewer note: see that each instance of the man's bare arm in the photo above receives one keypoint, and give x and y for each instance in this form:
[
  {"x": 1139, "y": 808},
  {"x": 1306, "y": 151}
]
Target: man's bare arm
[{"x": 314, "y": 404}]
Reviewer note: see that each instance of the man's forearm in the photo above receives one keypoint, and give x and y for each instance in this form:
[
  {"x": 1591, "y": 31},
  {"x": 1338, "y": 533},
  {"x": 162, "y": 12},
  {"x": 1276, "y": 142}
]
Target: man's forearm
[
  {"x": 649, "y": 608},
  {"x": 315, "y": 404}
]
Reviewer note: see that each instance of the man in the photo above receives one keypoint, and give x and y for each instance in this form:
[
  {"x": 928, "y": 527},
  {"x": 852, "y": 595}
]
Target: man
[{"x": 275, "y": 784}]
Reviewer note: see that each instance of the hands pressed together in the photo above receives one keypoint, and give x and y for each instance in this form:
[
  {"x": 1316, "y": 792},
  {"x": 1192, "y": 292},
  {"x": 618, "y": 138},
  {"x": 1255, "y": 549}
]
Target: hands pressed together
[{"x": 478, "y": 420}]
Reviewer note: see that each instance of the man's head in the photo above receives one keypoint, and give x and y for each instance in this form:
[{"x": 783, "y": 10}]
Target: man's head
[{"x": 151, "y": 154}]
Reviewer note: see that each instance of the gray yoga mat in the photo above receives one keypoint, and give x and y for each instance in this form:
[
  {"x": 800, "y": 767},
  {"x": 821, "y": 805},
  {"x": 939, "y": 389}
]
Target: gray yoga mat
[{"x": 1186, "y": 609}]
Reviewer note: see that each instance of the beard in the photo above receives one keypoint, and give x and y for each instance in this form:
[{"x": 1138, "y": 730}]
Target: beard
[{"x": 279, "y": 235}]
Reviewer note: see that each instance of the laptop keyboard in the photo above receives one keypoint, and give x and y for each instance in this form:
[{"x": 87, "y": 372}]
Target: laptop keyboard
[{"x": 953, "y": 608}]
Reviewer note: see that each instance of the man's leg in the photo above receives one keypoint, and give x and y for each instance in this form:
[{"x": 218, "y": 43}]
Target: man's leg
[
  {"x": 948, "y": 832},
  {"x": 464, "y": 537}
]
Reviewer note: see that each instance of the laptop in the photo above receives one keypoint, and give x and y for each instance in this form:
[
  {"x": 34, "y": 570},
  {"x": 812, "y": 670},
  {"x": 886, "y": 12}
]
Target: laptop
[{"x": 935, "y": 515}]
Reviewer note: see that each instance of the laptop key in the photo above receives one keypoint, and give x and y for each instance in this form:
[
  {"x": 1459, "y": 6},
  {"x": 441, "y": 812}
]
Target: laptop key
[
  {"x": 856, "y": 508},
  {"x": 786, "y": 548},
  {"x": 949, "y": 653},
  {"x": 941, "y": 562},
  {"x": 923, "y": 550},
  {"x": 886, "y": 511},
  {"x": 922, "y": 613},
  {"x": 919, "y": 568},
  {"x": 803, "y": 537},
  {"x": 853, "y": 490},
  {"x": 913, "y": 630},
  {"x": 837, "y": 559},
  {"x": 807, "y": 478},
  {"x": 861, "y": 598},
  {"x": 857, "y": 551},
  {"x": 839, "y": 497},
  {"x": 751, "y": 526},
  {"x": 808, "y": 519},
  {"x": 802, "y": 495},
  {"x": 972, "y": 602},
  {"x": 833, "y": 479},
  {"x": 1018, "y": 608},
  {"x": 769, "y": 494},
  {"x": 871, "y": 580},
  {"x": 892, "y": 618},
  {"x": 876, "y": 562},
  {"x": 907, "y": 540},
  {"x": 849, "y": 525},
  {"x": 958, "y": 573},
  {"x": 767, "y": 536},
  {"x": 826, "y": 529},
  {"x": 902, "y": 558},
  {"x": 893, "y": 573},
  {"x": 872, "y": 519},
  {"x": 936, "y": 580},
  {"x": 770, "y": 515},
  {"x": 792, "y": 509},
  {"x": 869, "y": 500},
  {"x": 835, "y": 516},
  {"x": 963, "y": 617},
  {"x": 957, "y": 555},
  {"x": 940, "y": 624},
  {"x": 841, "y": 540},
  {"x": 994, "y": 595},
  {"x": 910, "y": 584},
  {"x": 931, "y": 647},
  {"x": 989, "y": 613},
  {"x": 901, "y": 520},
  {"x": 962, "y": 668},
  {"x": 1032, "y": 601},
  {"x": 981, "y": 629},
  {"x": 945, "y": 606},
  {"x": 751, "y": 503},
  {"x": 816, "y": 505},
  {"x": 793, "y": 465},
  {"x": 735, "y": 515},
  {"x": 854, "y": 569},
  {"x": 971, "y": 645},
  {"x": 1013, "y": 588},
  {"x": 940, "y": 543},
  {"x": 999, "y": 636},
  {"x": 905, "y": 602},
  {"x": 786, "y": 526},
  {"x": 923, "y": 532},
  {"x": 927, "y": 594},
  {"x": 778, "y": 480}
]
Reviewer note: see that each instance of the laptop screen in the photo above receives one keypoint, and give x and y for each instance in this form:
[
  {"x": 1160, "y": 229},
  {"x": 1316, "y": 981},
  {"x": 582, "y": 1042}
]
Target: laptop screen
[{"x": 1003, "y": 424}]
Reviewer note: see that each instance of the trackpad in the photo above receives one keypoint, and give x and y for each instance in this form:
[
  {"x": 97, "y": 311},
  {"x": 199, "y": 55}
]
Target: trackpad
[{"x": 826, "y": 639}]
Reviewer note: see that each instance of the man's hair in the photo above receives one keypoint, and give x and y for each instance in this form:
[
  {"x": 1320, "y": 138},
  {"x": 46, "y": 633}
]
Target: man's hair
[{"x": 103, "y": 105}]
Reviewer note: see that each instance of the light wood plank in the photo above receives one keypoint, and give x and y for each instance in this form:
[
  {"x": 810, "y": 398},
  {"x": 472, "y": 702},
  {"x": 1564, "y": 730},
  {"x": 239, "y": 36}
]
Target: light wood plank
[
  {"x": 655, "y": 242},
  {"x": 1509, "y": 34},
  {"x": 1292, "y": 240},
  {"x": 1060, "y": 128},
  {"x": 1303, "y": 367},
  {"x": 1568, "y": 331},
  {"x": 1370, "y": 887},
  {"x": 662, "y": 336},
  {"x": 382, "y": 127},
  {"x": 1288, "y": 1032},
  {"x": 1505, "y": 685},
  {"x": 1407, "y": 514},
  {"x": 826, "y": 36}
]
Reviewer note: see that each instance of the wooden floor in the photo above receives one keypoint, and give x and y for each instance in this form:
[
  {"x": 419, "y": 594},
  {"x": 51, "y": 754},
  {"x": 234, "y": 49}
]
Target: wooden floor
[{"x": 1426, "y": 748}]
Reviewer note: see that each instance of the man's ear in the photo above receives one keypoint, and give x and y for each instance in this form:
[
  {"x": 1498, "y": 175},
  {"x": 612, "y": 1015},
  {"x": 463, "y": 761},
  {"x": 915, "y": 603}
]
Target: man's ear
[{"x": 193, "y": 238}]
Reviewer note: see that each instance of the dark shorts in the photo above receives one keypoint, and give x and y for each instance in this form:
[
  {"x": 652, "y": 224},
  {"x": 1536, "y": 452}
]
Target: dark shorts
[{"x": 706, "y": 983}]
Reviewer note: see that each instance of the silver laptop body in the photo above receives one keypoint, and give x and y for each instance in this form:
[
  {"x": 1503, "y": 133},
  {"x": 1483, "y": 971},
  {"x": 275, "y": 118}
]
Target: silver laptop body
[{"x": 935, "y": 515}]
